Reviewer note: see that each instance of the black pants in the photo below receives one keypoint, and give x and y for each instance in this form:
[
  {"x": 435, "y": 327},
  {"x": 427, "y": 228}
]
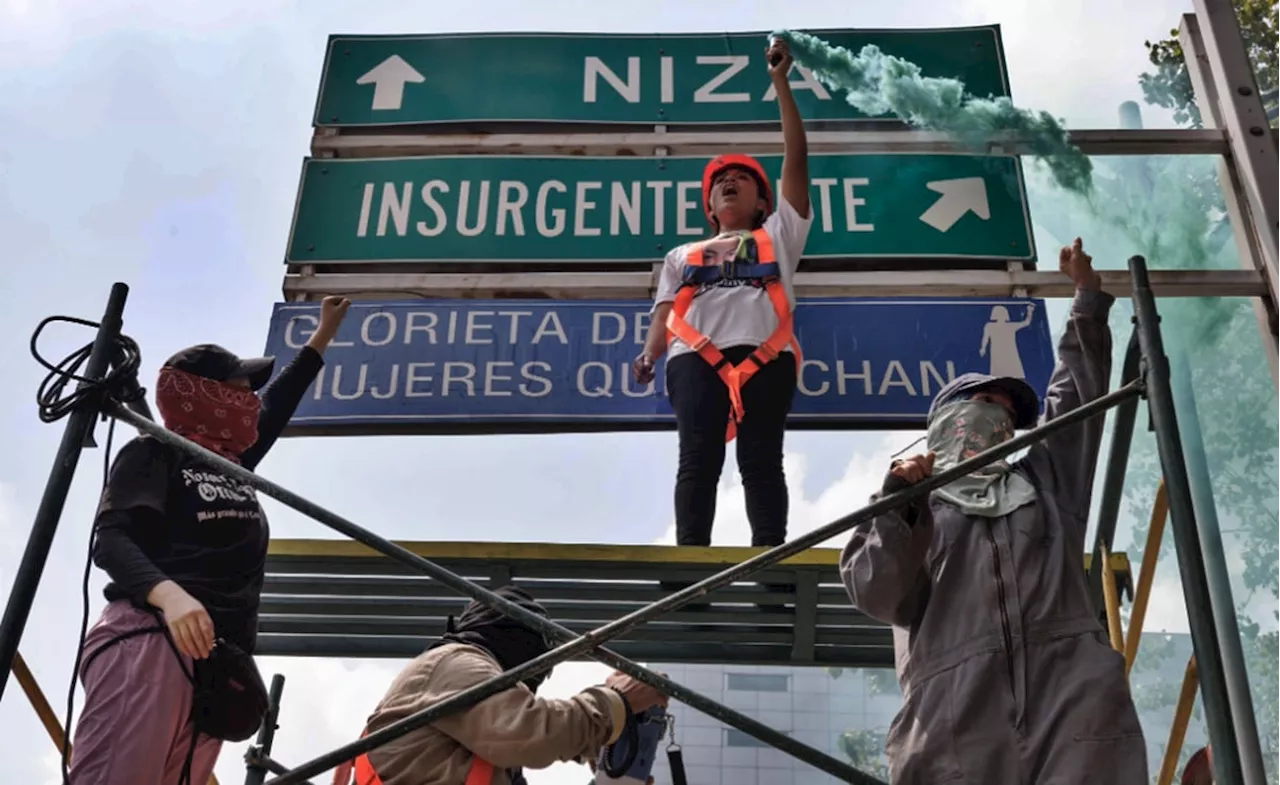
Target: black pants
[{"x": 701, "y": 403}]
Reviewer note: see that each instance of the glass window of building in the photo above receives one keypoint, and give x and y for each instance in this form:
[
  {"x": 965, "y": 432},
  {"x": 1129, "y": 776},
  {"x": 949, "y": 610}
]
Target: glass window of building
[{"x": 757, "y": 682}]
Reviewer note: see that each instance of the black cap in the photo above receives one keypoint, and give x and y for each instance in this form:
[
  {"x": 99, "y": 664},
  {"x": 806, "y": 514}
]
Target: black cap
[
  {"x": 211, "y": 361},
  {"x": 1026, "y": 404}
]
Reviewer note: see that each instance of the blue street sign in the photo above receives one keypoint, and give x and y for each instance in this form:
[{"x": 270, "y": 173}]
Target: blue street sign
[{"x": 503, "y": 366}]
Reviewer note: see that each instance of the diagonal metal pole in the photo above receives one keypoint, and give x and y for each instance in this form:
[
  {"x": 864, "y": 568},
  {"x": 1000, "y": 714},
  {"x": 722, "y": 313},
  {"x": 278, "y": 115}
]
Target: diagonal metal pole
[
  {"x": 581, "y": 645},
  {"x": 1113, "y": 480},
  {"x": 470, "y": 697},
  {"x": 79, "y": 429},
  {"x": 1186, "y": 535}
]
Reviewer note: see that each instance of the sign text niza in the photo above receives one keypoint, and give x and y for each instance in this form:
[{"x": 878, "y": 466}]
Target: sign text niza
[{"x": 593, "y": 78}]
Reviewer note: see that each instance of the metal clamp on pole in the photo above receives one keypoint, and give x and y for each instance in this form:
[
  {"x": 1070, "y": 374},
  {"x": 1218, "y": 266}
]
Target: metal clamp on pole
[
  {"x": 80, "y": 424},
  {"x": 256, "y": 758}
]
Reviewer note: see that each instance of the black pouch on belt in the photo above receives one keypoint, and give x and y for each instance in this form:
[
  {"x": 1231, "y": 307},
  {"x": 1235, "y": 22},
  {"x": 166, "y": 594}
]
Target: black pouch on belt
[{"x": 230, "y": 698}]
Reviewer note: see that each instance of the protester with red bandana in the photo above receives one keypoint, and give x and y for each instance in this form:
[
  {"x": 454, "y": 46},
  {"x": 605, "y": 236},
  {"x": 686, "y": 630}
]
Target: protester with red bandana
[{"x": 190, "y": 543}]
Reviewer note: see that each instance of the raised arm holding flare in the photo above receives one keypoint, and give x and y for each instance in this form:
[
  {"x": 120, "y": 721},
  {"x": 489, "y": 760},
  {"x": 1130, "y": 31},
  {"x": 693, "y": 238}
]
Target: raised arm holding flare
[
  {"x": 1006, "y": 672},
  {"x": 724, "y": 315}
]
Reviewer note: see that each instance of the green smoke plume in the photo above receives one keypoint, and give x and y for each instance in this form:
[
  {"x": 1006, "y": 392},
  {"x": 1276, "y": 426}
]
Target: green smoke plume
[
  {"x": 876, "y": 83},
  {"x": 1120, "y": 207}
]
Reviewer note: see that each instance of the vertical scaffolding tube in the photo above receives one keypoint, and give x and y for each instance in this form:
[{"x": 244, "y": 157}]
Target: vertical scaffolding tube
[
  {"x": 1113, "y": 482},
  {"x": 256, "y": 773},
  {"x": 1215, "y": 564},
  {"x": 79, "y": 429},
  {"x": 1195, "y": 589}
]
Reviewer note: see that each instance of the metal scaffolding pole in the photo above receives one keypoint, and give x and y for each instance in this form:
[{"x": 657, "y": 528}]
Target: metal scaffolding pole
[
  {"x": 79, "y": 430},
  {"x": 1224, "y": 610},
  {"x": 1195, "y": 587},
  {"x": 592, "y": 640},
  {"x": 256, "y": 769},
  {"x": 1113, "y": 481}
]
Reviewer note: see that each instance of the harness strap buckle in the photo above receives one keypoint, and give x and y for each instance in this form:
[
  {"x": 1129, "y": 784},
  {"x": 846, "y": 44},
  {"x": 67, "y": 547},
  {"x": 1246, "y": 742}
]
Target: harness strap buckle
[{"x": 765, "y": 351}]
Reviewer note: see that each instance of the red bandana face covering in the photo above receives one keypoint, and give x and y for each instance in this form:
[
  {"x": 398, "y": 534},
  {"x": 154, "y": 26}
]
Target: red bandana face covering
[{"x": 214, "y": 415}]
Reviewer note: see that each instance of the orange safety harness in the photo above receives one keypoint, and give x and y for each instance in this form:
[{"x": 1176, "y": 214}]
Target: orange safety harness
[
  {"x": 481, "y": 772},
  {"x": 763, "y": 271}
]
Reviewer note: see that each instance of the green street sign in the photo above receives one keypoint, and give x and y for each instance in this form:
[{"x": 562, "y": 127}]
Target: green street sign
[
  {"x": 616, "y": 79},
  {"x": 569, "y": 209}
]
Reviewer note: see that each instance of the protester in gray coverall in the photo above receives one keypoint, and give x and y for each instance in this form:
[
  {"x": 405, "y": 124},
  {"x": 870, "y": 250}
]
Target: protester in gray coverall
[{"x": 1006, "y": 673}]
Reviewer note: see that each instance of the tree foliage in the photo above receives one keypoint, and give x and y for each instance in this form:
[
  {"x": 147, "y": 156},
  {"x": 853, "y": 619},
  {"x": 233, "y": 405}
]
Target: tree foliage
[
  {"x": 865, "y": 751},
  {"x": 1235, "y": 396},
  {"x": 1170, "y": 85}
]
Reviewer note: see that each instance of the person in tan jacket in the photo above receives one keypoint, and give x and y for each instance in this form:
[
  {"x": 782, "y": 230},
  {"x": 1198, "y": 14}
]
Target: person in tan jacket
[{"x": 491, "y": 742}]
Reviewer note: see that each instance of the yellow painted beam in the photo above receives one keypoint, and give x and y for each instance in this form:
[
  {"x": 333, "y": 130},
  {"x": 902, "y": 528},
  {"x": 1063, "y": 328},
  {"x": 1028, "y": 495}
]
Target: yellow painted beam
[
  {"x": 545, "y": 551},
  {"x": 577, "y": 552}
]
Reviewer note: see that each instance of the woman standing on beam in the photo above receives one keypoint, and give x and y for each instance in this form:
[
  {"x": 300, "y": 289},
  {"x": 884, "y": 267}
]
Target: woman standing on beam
[{"x": 723, "y": 312}]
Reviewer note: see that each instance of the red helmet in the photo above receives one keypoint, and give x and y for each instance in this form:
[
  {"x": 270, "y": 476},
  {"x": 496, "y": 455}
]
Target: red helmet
[{"x": 722, "y": 162}]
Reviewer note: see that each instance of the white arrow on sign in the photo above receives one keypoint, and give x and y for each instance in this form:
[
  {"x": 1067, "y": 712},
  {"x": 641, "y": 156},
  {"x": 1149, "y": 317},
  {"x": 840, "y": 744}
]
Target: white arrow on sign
[
  {"x": 959, "y": 196},
  {"x": 388, "y": 79}
]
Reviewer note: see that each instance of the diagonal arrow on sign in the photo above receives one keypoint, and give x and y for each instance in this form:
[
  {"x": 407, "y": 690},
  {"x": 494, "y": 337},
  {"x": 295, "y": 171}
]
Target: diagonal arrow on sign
[
  {"x": 959, "y": 196},
  {"x": 388, "y": 79}
]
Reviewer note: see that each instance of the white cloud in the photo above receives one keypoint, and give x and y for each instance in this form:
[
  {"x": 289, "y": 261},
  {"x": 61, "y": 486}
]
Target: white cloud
[
  {"x": 1095, "y": 44},
  {"x": 10, "y": 532}
]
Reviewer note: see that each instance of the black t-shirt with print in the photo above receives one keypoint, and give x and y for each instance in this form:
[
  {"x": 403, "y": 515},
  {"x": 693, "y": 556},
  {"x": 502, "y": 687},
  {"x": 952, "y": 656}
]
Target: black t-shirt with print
[
  {"x": 165, "y": 517},
  {"x": 199, "y": 528}
]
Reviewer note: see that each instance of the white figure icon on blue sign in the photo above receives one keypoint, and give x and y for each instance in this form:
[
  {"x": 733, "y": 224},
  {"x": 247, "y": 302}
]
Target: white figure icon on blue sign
[{"x": 1000, "y": 342}]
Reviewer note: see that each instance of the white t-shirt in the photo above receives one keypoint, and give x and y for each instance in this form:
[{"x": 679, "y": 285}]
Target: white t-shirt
[{"x": 735, "y": 313}]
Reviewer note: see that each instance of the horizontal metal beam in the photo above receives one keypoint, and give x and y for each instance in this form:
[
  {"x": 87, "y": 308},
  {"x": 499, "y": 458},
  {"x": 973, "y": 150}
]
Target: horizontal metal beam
[
  {"x": 692, "y": 633},
  {"x": 846, "y": 142},
  {"x": 435, "y": 611},
  {"x": 358, "y": 614},
  {"x": 551, "y": 593},
  {"x": 639, "y": 285},
  {"x": 403, "y": 647}
]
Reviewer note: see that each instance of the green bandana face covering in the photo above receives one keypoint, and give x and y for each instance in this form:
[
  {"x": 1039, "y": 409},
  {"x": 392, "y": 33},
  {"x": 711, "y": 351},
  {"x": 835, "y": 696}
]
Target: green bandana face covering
[{"x": 963, "y": 429}]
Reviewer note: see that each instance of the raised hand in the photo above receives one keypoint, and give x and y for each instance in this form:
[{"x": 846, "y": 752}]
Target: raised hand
[
  {"x": 778, "y": 55},
  {"x": 1078, "y": 266}
]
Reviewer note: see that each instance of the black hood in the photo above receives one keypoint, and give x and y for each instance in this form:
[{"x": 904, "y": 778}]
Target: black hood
[{"x": 510, "y": 642}]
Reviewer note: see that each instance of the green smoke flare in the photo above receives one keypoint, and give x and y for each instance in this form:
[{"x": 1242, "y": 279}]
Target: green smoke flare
[{"x": 876, "y": 83}]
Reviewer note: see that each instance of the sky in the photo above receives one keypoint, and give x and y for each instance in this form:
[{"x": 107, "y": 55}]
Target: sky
[{"x": 158, "y": 142}]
